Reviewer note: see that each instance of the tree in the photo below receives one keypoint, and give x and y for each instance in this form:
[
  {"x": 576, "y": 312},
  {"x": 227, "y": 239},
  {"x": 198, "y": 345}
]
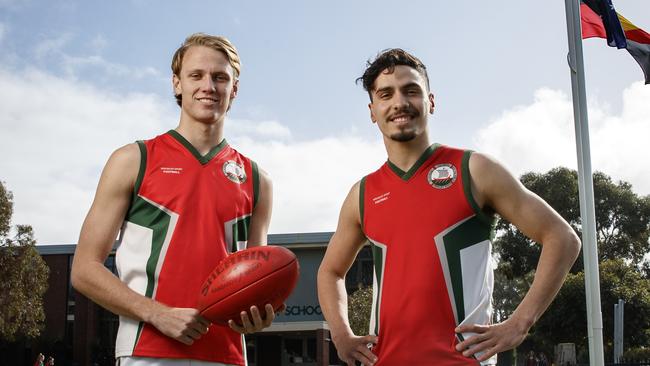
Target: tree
[
  {"x": 359, "y": 307},
  {"x": 618, "y": 280},
  {"x": 622, "y": 220},
  {"x": 508, "y": 291},
  {"x": 559, "y": 188},
  {"x": 24, "y": 277},
  {"x": 623, "y": 233}
]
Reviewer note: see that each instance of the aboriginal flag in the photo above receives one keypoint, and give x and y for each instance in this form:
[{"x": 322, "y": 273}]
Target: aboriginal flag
[{"x": 635, "y": 39}]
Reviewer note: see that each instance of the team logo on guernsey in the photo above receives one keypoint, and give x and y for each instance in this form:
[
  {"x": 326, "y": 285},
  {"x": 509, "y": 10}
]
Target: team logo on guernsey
[
  {"x": 234, "y": 171},
  {"x": 442, "y": 176}
]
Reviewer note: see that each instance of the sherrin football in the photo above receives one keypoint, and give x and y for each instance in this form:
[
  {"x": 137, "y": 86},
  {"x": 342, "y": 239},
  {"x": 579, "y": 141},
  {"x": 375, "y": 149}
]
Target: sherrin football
[{"x": 255, "y": 276}]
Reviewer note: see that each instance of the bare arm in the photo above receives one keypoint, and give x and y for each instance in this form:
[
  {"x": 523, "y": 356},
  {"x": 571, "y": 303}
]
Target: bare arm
[
  {"x": 98, "y": 233},
  {"x": 259, "y": 227},
  {"x": 261, "y": 216},
  {"x": 341, "y": 252},
  {"x": 493, "y": 186}
]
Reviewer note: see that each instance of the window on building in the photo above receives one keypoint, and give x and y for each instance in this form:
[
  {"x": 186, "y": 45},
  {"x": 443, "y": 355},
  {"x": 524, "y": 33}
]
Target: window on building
[
  {"x": 300, "y": 351},
  {"x": 311, "y": 349},
  {"x": 250, "y": 350},
  {"x": 360, "y": 274}
]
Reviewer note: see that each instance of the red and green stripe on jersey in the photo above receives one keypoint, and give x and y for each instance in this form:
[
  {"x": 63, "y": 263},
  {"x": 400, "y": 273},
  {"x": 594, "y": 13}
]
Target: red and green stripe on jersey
[
  {"x": 187, "y": 213},
  {"x": 432, "y": 258}
]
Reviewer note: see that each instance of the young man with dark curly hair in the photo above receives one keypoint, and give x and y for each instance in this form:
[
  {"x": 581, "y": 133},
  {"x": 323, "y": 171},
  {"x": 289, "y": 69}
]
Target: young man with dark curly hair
[{"x": 428, "y": 215}]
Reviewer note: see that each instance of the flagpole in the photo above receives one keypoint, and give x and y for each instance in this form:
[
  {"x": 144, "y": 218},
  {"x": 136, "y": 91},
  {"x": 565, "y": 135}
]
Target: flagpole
[{"x": 585, "y": 184}]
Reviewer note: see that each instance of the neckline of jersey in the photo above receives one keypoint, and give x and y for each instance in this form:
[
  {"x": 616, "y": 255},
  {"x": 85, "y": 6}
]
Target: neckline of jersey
[
  {"x": 406, "y": 175},
  {"x": 203, "y": 159}
]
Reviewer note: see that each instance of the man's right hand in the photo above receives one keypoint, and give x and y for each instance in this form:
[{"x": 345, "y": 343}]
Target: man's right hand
[
  {"x": 353, "y": 348},
  {"x": 182, "y": 324}
]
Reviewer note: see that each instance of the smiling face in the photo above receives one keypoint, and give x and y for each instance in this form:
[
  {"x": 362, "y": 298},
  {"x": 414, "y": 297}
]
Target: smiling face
[
  {"x": 207, "y": 85},
  {"x": 400, "y": 103}
]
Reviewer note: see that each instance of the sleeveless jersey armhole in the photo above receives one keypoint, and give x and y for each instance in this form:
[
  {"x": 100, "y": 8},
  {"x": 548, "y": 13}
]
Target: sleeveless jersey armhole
[
  {"x": 362, "y": 189},
  {"x": 256, "y": 183},
  {"x": 141, "y": 170},
  {"x": 467, "y": 188}
]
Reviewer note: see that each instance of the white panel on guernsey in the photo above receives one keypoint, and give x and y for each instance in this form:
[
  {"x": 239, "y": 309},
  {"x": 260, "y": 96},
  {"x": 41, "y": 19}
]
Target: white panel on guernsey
[
  {"x": 131, "y": 261},
  {"x": 132, "y": 256},
  {"x": 377, "y": 285},
  {"x": 478, "y": 282}
]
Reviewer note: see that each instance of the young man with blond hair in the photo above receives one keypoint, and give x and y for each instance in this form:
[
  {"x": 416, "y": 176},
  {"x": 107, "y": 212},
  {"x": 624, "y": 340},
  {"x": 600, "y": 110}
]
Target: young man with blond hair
[
  {"x": 427, "y": 214},
  {"x": 180, "y": 202}
]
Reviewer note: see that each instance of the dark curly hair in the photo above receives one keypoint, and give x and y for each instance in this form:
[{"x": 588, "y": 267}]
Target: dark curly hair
[{"x": 387, "y": 60}]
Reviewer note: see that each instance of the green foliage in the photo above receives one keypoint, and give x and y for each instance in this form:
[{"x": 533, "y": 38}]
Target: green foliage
[
  {"x": 622, "y": 220},
  {"x": 6, "y": 210},
  {"x": 559, "y": 188},
  {"x": 508, "y": 291},
  {"x": 623, "y": 233},
  {"x": 359, "y": 307},
  {"x": 641, "y": 353},
  {"x": 24, "y": 278},
  {"x": 565, "y": 321},
  {"x": 618, "y": 280}
]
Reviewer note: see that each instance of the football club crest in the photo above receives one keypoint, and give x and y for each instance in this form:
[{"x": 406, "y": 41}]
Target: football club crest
[
  {"x": 234, "y": 171},
  {"x": 442, "y": 176}
]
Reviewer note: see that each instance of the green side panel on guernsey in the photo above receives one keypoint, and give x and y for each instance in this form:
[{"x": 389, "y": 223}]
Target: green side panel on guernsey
[
  {"x": 378, "y": 254},
  {"x": 362, "y": 193},
  {"x": 141, "y": 170},
  {"x": 240, "y": 231},
  {"x": 256, "y": 183},
  {"x": 467, "y": 189},
  {"x": 145, "y": 214},
  {"x": 470, "y": 232}
]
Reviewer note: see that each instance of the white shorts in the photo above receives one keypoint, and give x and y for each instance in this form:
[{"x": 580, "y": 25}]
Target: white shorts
[{"x": 148, "y": 361}]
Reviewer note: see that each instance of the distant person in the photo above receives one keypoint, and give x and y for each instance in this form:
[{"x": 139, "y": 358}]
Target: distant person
[
  {"x": 181, "y": 202},
  {"x": 50, "y": 361},
  {"x": 543, "y": 360},
  {"x": 428, "y": 214},
  {"x": 531, "y": 360},
  {"x": 39, "y": 360}
]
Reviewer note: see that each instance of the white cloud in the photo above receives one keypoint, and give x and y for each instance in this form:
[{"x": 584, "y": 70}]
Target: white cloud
[
  {"x": 56, "y": 137},
  {"x": 540, "y": 136},
  {"x": 57, "y": 134},
  {"x": 264, "y": 129},
  {"x": 53, "y": 51},
  {"x": 312, "y": 178},
  {"x": 74, "y": 64}
]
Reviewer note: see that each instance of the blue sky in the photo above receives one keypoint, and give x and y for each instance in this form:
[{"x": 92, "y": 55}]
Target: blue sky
[{"x": 81, "y": 78}]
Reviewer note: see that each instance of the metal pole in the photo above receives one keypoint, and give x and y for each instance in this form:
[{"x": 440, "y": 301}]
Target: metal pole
[
  {"x": 617, "y": 322},
  {"x": 585, "y": 182},
  {"x": 621, "y": 318}
]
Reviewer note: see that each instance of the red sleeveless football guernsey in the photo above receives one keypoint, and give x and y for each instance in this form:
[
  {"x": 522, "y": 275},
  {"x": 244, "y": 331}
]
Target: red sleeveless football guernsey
[
  {"x": 432, "y": 258},
  {"x": 187, "y": 213}
]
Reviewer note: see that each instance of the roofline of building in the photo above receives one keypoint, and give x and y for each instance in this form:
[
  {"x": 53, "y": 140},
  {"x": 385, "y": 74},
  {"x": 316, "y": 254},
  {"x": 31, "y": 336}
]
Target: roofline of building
[
  {"x": 291, "y": 240},
  {"x": 299, "y": 326},
  {"x": 52, "y": 249}
]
